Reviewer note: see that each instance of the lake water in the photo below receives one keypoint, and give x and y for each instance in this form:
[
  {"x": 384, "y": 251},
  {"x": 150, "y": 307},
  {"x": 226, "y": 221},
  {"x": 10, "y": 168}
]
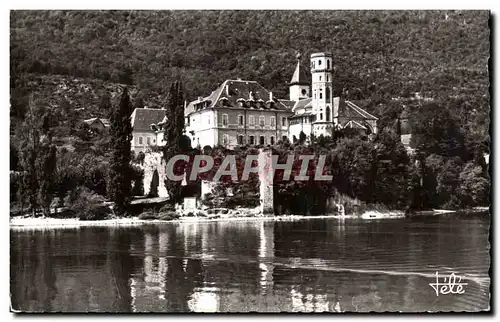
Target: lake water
[{"x": 310, "y": 265}]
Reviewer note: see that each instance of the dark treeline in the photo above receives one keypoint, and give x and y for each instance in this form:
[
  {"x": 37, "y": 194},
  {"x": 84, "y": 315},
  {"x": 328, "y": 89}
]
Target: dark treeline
[{"x": 432, "y": 65}]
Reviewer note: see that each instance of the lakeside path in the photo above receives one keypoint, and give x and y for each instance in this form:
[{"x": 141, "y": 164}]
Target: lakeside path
[{"x": 55, "y": 223}]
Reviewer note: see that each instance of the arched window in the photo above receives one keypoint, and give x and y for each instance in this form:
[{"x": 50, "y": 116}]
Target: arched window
[
  {"x": 262, "y": 120},
  {"x": 328, "y": 94},
  {"x": 327, "y": 113},
  {"x": 328, "y": 64},
  {"x": 321, "y": 116}
]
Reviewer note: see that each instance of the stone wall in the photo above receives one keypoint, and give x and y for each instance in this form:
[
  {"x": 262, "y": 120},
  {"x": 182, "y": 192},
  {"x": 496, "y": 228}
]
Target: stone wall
[
  {"x": 207, "y": 187},
  {"x": 154, "y": 161},
  {"x": 266, "y": 183}
]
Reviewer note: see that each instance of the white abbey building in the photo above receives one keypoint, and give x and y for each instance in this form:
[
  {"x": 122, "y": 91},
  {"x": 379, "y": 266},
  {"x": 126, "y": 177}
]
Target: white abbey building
[
  {"x": 241, "y": 112},
  {"x": 316, "y": 110}
]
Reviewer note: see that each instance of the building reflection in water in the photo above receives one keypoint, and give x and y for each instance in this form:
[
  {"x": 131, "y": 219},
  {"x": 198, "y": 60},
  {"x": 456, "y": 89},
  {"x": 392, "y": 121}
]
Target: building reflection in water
[{"x": 309, "y": 266}]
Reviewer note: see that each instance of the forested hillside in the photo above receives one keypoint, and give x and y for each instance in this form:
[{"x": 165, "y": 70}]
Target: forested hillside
[
  {"x": 379, "y": 55},
  {"x": 431, "y": 66}
]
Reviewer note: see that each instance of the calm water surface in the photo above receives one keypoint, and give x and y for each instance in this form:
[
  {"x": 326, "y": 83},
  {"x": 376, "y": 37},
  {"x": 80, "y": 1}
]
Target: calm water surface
[{"x": 309, "y": 265}]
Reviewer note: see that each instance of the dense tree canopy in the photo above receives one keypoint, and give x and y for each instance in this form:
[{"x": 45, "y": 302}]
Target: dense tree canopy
[{"x": 432, "y": 64}]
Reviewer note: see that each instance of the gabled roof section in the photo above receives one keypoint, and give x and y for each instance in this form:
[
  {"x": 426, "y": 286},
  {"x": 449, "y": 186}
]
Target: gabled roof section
[
  {"x": 142, "y": 118},
  {"x": 289, "y": 104},
  {"x": 354, "y": 125},
  {"x": 232, "y": 92},
  {"x": 299, "y": 75},
  {"x": 304, "y": 103},
  {"x": 92, "y": 121},
  {"x": 350, "y": 110},
  {"x": 105, "y": 122}
]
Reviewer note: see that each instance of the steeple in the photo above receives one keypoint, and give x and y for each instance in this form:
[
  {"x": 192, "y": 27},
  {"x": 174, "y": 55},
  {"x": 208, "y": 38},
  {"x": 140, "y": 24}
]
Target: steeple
[
  {"x": 299, "y": 85},
  {"x": 299, "y": 76}
]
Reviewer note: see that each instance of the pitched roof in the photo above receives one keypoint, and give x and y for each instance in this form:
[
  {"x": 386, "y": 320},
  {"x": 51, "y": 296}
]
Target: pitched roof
[
  {"x": 90, "y": 121},
  {"x": 232, "y": 92},
  {"x": 354, "y": 125},
  {"x": 300, "y": 115},
  {"x": 95, "y": 120},
  {"x": 105, "y": 122},
  {"x": 288, "y": 103},
  {"x": 350, "y": 110},
  {"x": 302, "y": 103},
  {"x": 299, "y": 76},
  {"x": 142, "y": 118}
]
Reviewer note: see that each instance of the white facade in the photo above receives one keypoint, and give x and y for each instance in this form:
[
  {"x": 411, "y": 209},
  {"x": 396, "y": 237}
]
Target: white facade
[
  {"x": 201, "y": 128},
  {"x": 141, "y": 140},
  {"x": 243, "y": 112},
  {"x": 322, "y": 112},
  {"x": 322, "y": 93}
]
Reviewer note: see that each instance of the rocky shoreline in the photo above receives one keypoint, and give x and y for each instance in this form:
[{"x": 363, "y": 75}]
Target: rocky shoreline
[
  {"x": 216, "y": 215},
  {"x": 43, "y": 222}
]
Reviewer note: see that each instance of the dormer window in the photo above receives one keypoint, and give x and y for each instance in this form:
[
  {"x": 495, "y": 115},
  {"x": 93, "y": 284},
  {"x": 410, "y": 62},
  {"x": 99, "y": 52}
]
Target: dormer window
[
  {"x": 224, "y": 101},
  {"x": 241, "y": 102},
  {"x": 261, "y": 104}
]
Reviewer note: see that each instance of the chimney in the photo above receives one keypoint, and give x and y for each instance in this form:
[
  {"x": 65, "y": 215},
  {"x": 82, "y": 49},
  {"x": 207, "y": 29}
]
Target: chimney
[{"x": 270, "y": 96}]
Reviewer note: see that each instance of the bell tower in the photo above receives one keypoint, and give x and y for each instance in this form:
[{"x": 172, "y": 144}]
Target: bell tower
[
  {"x": 322, "y": 92},
  {"x": 299, "y": 85}
]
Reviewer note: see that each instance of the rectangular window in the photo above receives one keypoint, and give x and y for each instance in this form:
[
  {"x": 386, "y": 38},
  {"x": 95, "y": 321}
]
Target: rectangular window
[
  {"x": 240, "y": 119},
  {"x": 272, "y": 140},
  {"x": 283, "y": 121},
  {"x": 284, "y": 138},
  {"x": 273, "y": 121},
  {"x": 252, "y": 139},
  {"x": 148, "y": 141},
  {"x": 262, "y": 121},
  {"x": 251, "y": 120},
  {"x": 240, "y": 139},
  {"x": 262, "y": 140},
  {"x": 140, "y": 140},
  {"x": 224, "y": 119}
]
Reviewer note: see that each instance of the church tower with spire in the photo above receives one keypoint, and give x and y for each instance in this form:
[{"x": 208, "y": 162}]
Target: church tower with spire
[{"x": 299, "y": 85}]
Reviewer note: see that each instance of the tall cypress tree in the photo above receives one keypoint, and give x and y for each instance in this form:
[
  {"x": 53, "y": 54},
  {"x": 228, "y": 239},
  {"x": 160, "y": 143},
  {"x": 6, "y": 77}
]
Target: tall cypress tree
[
  {"x": 174, "y": 136},
  {"x": 29, "y": 149},
  {"x": 120, "y": 170}
]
